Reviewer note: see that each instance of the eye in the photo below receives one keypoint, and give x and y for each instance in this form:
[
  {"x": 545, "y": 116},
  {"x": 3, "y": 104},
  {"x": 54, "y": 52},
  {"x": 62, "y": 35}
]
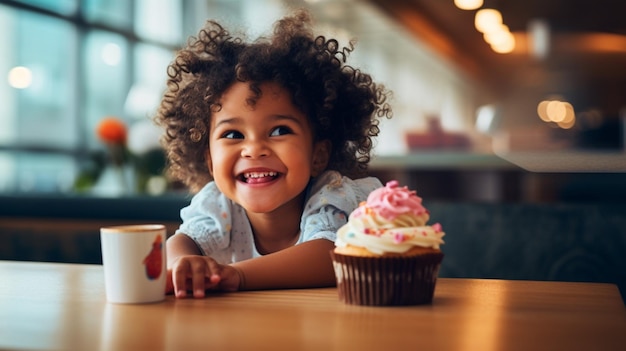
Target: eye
[
  {"x": 281, "y": 130},
  {"x": 232, "y": 134}
]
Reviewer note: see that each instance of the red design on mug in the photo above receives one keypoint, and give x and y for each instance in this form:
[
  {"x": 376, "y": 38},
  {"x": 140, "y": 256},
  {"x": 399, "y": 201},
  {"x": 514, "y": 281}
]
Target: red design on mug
[{"x": 154, "y": 260}]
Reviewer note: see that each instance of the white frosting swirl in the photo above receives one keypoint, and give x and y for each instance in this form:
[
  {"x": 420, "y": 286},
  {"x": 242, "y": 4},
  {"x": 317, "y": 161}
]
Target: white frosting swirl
[{"x": 368, "y": 227}]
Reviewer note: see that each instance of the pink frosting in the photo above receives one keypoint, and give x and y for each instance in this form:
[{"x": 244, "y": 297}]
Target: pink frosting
[{"x": 392, "y": 201}]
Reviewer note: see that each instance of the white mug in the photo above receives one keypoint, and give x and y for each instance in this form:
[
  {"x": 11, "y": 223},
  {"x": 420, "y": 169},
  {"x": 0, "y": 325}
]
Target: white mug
[{"x": 134, "y": 263}]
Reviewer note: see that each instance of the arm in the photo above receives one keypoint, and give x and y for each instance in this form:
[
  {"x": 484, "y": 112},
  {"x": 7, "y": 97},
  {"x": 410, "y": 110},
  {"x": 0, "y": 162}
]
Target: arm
[
  {"x": 180, "y": 245},
  {"x": 301, "y": 266},
  {"x": 306, "y": 265}
]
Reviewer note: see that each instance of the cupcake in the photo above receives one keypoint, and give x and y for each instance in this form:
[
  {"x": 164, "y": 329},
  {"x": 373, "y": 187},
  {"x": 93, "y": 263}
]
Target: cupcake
[{"x": 386, "y": 254}]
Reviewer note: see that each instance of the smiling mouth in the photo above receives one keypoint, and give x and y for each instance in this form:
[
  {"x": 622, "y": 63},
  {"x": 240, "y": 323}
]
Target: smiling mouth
[{"x": 258, "y": 177}]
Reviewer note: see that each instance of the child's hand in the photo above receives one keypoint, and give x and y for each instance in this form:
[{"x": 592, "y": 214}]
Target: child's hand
[{"x": 198, "y": 274}]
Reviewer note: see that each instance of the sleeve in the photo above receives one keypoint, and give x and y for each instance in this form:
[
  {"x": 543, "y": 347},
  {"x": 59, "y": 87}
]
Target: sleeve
[
  {"x": 207, "y": 220},
  {"x": 332, "y": 198}
]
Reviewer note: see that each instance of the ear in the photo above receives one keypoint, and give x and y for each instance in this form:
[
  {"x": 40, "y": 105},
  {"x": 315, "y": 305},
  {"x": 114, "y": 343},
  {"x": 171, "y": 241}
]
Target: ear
[{"x": 321, "y": 156}]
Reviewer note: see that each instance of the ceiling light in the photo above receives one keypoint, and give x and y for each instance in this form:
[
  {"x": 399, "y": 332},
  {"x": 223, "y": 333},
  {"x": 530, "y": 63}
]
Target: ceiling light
[
  {"x": 498, "y": 35},
  {"x": 504, "y": 46},
  {"x": 468, "y": 4},
  {"x": 487, "y": 20}
]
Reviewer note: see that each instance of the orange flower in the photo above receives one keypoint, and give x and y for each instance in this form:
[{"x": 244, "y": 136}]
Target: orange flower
[{"x": 112, "y": 130}]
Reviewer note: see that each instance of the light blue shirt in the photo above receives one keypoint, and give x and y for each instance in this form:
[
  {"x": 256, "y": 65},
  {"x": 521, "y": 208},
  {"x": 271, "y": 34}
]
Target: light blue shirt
[{"x": 221, "y": 229}]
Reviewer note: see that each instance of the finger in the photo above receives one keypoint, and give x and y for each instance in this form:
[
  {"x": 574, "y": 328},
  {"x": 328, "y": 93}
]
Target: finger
[
  {"x": 179, "y": 277},
  {"x": 214, "y": 274},
  {"x": 215, "y": 279},
  {"x": 199, "y": 273}
]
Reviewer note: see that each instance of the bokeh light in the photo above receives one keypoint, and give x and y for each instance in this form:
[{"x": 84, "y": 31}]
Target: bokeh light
[
  {"x": 487, "y": 20},
  {"x": 468, "y": 4},
  {"x": 111, "y": 54},
  {"x": 20, "y": 77},
  {"x": 558, "y": 112}
]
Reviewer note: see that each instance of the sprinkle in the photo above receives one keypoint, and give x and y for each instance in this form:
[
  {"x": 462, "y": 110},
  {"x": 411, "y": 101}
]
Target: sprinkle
[
  {"x": 437, "y": 227},
  {"x": 399, "y": 237},
  {"x": 375, "y": 232}
]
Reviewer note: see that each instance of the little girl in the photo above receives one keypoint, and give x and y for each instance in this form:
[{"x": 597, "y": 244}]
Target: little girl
[{"x": 274, "y": 137}]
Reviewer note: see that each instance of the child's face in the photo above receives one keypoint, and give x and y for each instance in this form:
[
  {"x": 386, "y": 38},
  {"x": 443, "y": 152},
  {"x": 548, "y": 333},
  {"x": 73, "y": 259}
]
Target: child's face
[{"x": 262, "y": 157}]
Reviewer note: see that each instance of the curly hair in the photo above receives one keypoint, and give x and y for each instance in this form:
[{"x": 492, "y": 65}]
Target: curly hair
[{"x": 342, "y": 103}]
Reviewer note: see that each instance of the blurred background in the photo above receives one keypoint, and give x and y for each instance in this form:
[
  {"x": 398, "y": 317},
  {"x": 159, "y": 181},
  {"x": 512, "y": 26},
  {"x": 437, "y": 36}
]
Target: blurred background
[{"x": 527, "y": 106}]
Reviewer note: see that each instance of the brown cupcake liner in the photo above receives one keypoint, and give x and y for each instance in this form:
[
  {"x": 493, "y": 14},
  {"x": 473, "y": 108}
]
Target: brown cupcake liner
[{"x": 386, "y": 281}]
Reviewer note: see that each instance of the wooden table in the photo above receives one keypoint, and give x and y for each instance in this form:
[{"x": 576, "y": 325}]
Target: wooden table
[{"x": 63, "y": 307}]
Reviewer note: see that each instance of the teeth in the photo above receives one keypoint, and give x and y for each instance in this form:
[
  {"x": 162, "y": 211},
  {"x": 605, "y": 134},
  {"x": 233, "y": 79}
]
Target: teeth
[{"x": 260, "y": 174}]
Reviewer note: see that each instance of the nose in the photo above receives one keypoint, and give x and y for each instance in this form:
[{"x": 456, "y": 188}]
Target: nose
[{"x": 254, "y": 148}]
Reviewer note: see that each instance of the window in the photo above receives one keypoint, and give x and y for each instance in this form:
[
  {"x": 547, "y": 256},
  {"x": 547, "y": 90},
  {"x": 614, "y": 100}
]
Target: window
[
  {"x": 106, "y": 73},
  {"x": 41, "y": 75},
  {"x": 66, "y": 64}
]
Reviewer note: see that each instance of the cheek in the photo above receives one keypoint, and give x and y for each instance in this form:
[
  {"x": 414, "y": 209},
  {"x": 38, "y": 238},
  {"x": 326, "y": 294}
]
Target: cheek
[
  {"x": 299, "y": 157},
  {"x": 215, "y": 158},
  {"x": 223, "y": 160}
]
